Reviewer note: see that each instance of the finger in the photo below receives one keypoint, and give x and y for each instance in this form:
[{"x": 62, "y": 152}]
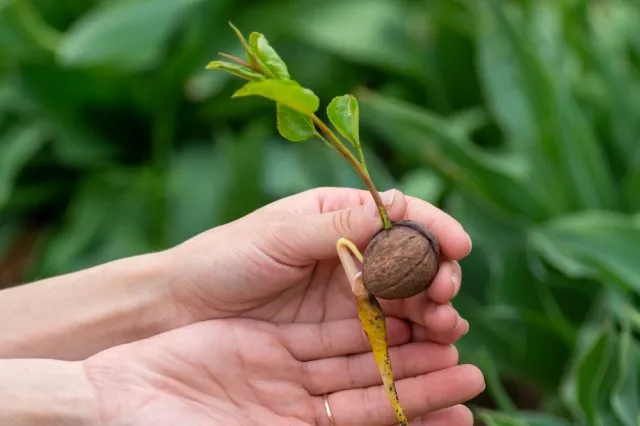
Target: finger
[
  {"x": 422, "y": 334},
  {"x": 446, "y": 284},
  {"x": 358, "y": 223},
  {"x": 307, "y": 342},
  {"x": 360, "y": 371},
  {"x": 420, "y": 309},
  {"x": 305, "y": 237},
  {"x": 455, "y": 243},
  {"x": 458, "y": 415},
  {"x": 418, "y": 395}
]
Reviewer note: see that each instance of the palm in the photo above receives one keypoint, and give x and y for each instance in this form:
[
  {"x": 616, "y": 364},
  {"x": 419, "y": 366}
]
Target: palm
[
  {"x": 276, "y": 273},
  {"x": 244, "y": 372}
]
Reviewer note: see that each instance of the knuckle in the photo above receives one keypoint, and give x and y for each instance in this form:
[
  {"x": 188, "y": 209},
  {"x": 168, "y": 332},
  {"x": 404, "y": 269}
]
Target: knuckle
[{"x": 342, "y": 222}]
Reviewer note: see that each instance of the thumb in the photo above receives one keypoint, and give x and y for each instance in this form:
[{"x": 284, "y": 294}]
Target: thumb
[{"x": 359, "y": 224}]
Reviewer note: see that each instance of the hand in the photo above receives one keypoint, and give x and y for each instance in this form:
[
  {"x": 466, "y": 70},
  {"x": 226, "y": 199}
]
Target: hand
[
  {"x": 248, "y": 372},
  {"x": 280, "y": 263}
]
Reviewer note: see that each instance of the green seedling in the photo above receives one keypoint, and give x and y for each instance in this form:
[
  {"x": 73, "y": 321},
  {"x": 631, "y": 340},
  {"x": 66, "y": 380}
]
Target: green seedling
[{"x": 297, "y": 121}]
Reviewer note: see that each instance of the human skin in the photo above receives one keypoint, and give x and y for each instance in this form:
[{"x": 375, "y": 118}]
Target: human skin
[
  {"x": 277, "y": 264},
  {"x": 241, "y": 372}
]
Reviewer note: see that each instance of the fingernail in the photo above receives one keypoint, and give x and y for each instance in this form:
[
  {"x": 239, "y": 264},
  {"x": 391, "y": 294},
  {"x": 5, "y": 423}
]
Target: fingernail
[
  {"x": 470, "y": 243},
  {"x": 387, "y": 198},
  {"x": 465, "y": 327},
  {"x": 455, "y": 285}
]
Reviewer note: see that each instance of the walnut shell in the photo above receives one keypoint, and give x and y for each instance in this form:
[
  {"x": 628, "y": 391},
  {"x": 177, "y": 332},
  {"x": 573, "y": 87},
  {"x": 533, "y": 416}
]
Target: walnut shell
[{"x": 402, "y": 261}]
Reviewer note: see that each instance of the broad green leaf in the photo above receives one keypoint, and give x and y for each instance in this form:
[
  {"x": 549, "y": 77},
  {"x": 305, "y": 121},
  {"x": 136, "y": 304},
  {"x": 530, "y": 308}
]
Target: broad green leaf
[
  {"x": 288, "y": 93},
  {"x": 421, "y": 135},
  {"x": 625, "y": 398},
  {"x": 344, "y": 114},
  {"x": 527, "y": 313},
  {"x": 17, "y": 147},
  {"x": 235, "y": 69},
  {"x": 269, "y": 60},
  {"x": 603, "y": 41},
  {"x": 124, "y": 35},
  {"x": 567, "y": 165},
  {"x": 602, "y": 246},
  {"x": 294, "y": 126},
  {"x": 585, "y": 386},
  {"x": 383, "y": 42}
]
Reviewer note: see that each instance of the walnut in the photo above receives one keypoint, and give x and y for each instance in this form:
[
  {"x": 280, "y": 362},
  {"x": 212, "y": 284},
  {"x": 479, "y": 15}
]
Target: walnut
[{"x": 402, "y": 261}]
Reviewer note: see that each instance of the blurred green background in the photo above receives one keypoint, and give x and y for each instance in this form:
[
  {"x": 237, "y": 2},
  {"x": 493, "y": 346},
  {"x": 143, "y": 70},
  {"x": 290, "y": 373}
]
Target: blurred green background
[{"x": 520, "y": 118}]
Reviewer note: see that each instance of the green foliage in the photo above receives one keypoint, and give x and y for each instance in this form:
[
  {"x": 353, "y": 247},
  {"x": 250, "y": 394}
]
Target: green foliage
[
  {"x": 344, "y": 114},
  {"x": 520, "y": 118},
  {"x": 294, "y": 126},
  {"x": 288, "y": 93}
]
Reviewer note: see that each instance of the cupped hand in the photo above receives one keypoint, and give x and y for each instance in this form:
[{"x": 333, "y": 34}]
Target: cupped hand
[
  {"x": 249, "y": 372},
  {"x": 279, "y": 263}
]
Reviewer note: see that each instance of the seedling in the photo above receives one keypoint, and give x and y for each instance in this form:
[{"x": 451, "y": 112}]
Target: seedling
[{"x": 402, "y": 259}]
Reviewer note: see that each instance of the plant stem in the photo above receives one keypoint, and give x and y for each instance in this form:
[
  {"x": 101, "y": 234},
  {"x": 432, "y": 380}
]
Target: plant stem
[{"x": 360, "y": 169}]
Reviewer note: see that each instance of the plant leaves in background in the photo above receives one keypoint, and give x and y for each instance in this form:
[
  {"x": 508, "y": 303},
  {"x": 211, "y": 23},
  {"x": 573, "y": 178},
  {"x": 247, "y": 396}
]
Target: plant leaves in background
[
  {"x": 344, "y": 114},
  {"x": 107, "y": 219},
  {"x": 603, "y": 246},
  {"x": 625, "y": 398},
  {"x": 567, "y": 164},
  {"x": 126, "y": 35},
  {"x": 494, "y": 418},
  {"x": 586, "y": 388},
  {"x": 425, "y": 136},
  {"x": 196, "y": 204},
  {"x": 294, "y": 126},
  {"x": 17, "y": 147},
  {"x": 288, "y": 93}
]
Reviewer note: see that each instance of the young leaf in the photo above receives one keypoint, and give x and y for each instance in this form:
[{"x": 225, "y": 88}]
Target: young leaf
[
  {"x": 238, "y": 70},
  {"x": 344, "y": 114},
  {"x": 269, "y": 61},
  {"x": 288, "y": 93},
  {"x": 251, "y": 55},
  {"x": 294, "y": 126}
]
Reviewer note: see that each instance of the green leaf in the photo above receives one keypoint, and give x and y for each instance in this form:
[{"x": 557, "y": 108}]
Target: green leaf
[
  {"x": 17, "y": 147},
  {"x": 601, "y": 246},
  {"x": 107, "y": 219},
  {"x": 585, "y": 388},
  {"x": 625, "y": 396},
  {"x": 421, "y": 135},
  {"x": 269, "y": 61},
  {"x": 566, "y": 164},
  {"x": 235, "y": 69},
  {"x": 294, "y": 126},
  {"x": 124, "y": 35},
  {"x": 344, "y": 114},
  {"x": 288, "y": 93}
]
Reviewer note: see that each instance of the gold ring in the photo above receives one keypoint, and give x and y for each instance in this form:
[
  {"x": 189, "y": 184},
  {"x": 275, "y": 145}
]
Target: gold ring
[{"x": 328, "y": 409}]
